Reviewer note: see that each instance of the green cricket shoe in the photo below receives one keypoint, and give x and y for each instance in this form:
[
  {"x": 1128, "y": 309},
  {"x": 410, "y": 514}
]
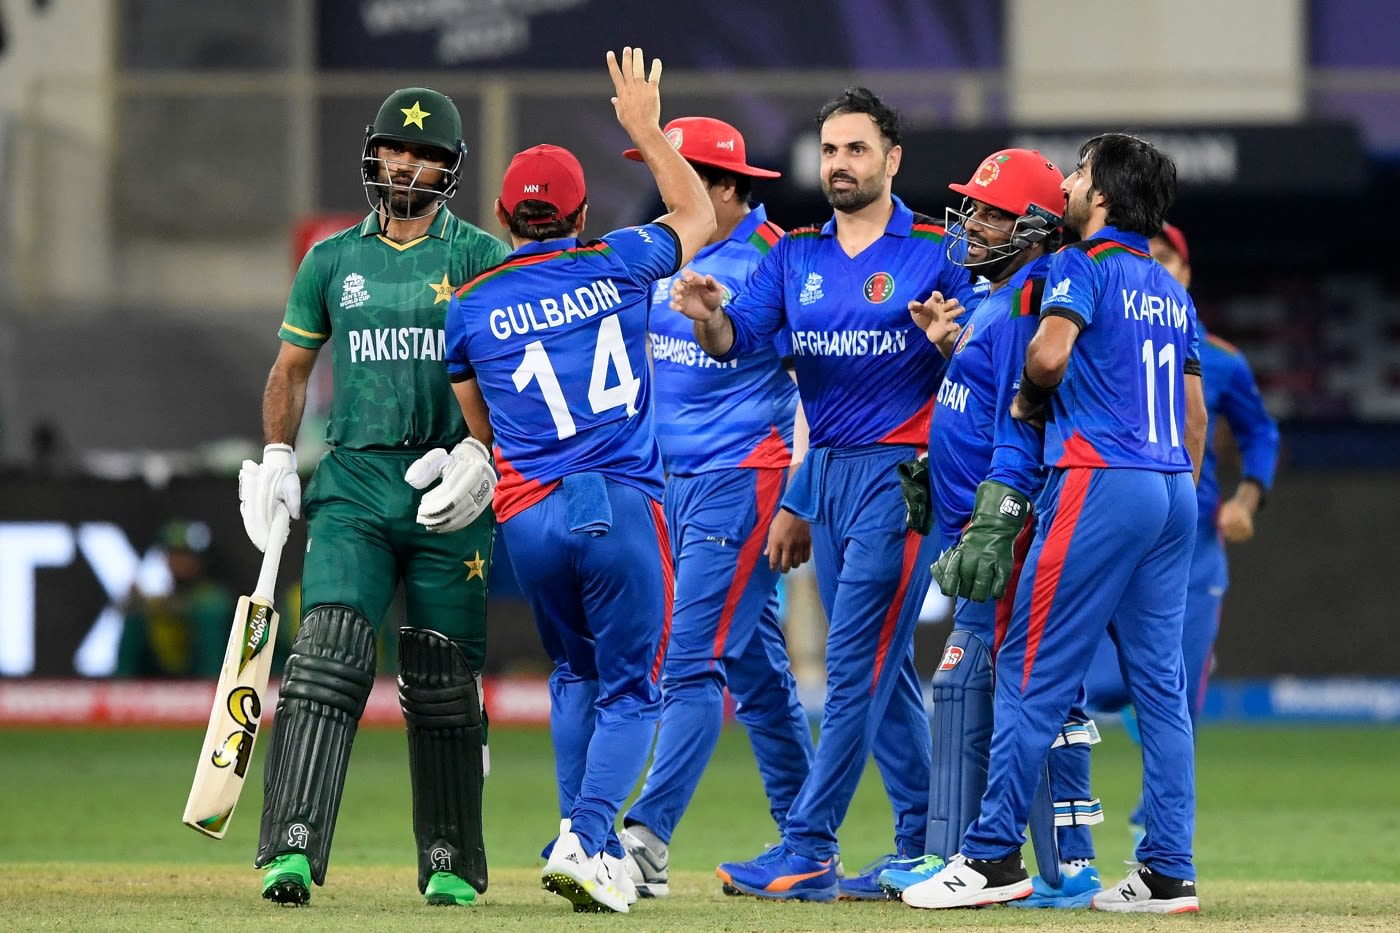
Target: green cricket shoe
[
  {"x": 447, "y": 890},
  {"x": 288, "y": 881}
]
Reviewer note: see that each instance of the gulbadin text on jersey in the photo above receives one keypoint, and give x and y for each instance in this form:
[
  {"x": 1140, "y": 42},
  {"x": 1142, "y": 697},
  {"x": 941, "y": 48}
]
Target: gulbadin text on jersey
[{"x": 543, "y": 313}]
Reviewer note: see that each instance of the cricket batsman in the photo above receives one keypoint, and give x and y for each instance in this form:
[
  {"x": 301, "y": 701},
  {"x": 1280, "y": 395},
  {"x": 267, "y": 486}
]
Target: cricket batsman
[{"x": 377, "y": 293}]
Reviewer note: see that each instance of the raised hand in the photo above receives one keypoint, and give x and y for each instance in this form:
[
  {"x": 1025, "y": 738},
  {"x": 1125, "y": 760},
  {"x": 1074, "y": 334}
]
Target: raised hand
[
  {"x": 696, "y": 296},
  {"x": 637, "y": 97},
  {"x": 937, "y": 317}
]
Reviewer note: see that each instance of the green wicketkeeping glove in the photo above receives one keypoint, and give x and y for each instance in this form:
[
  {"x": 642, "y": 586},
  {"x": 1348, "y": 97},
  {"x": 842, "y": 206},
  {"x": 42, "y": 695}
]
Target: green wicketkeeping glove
[
  {"x": 913, "y": 485},
  {"x": 979, "y": 567}
]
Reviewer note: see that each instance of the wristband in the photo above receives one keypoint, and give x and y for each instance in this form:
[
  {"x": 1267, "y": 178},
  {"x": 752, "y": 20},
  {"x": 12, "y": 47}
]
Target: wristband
[{"x": 1035, "y": 396}]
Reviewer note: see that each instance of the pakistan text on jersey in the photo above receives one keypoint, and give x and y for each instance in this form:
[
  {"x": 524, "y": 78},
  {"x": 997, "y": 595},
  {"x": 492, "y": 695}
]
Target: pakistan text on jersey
[
  {"x": 543, "y": 313},
  {"x": 847, "y": 342},
  {"x": 396, "y": 343},
  {"x": 666, "y": 349},
  {"x": 1161, "y": 309}
]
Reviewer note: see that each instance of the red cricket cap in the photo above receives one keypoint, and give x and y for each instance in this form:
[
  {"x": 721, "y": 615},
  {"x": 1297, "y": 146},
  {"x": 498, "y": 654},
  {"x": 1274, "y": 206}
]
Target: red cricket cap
[
  {"x": 544, "y": 173},
  {"x": 709, "y": 142},
  {"x": 1173, "y": 235},
  {"x": 1014, "y": 179}
]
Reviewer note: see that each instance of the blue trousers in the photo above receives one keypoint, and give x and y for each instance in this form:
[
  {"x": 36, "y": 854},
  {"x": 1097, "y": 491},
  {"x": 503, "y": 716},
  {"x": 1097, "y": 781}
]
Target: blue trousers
[
  {"x": 1208, "y": 581},
  {"x": 602, "y": 605},
  {"x": 1069, "y": 764},
  {"x": 872, "y": 574},
  {"x": 725, "y": 631},
  {"x": 1112, "y": 544}
]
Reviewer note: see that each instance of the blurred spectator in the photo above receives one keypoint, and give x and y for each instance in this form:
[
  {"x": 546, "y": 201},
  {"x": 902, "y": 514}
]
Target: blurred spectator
[
  {"x": 182, "y": 633},
  {"x": 48, "y": 450}
]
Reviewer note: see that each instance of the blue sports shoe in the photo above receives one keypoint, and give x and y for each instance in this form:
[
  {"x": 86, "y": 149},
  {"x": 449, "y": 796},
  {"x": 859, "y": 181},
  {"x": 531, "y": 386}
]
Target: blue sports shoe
[
  {"x": 1075, "y": 890},
  {"x": 866, "y": 885},
  {"x": 907, "y": 872},
  {"x": 782, "y": 875}
]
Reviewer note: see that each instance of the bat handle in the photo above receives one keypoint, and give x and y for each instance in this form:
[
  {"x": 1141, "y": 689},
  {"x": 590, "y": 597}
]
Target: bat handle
[{"x": 272, "y": 557}]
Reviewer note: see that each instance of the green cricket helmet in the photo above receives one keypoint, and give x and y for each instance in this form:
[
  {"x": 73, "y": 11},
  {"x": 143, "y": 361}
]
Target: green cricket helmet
[{"x": 422, "y": 117}]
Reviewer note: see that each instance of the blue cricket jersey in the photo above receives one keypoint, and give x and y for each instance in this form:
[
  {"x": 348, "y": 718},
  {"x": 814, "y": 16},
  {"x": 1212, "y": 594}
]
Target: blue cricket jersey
[
  {"x": 865, "y": 372},
  {"x": 713, "y": 415},
  {"x": 1122, "y": 402},
  {"x": 556, "y": 337},
  {"x": 1231, "y": 391},
  {"x": 972, "y": 414}
]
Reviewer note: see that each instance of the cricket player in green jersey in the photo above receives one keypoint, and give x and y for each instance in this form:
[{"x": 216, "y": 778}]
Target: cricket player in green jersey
[{"x": 377, "y": 293}]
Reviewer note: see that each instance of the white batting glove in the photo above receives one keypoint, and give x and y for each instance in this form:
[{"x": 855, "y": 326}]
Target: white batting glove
[
  {"x": 468, "y": 482},
  {"x": 261, "y": 486}
]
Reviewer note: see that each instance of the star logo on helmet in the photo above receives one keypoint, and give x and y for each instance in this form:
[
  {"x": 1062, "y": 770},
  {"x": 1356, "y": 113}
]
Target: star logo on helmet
[{"x": 414, "y": 115}]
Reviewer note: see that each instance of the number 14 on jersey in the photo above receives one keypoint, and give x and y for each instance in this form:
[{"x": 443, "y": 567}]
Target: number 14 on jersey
[{"x": 610, "y": 353}]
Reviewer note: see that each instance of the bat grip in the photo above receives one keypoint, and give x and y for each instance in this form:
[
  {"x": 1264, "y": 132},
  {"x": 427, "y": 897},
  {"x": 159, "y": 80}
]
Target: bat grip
[{"x": 272, "y": 557}]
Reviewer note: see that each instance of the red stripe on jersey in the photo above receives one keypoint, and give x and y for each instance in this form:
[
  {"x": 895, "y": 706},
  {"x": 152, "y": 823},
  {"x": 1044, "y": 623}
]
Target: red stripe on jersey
[
  {"x": 769, "y": 232},
  {"x": 528, "y": 260},
  {"x": 767, "y": 485},
  {"x": 506, "y": 266},
  {"x": 1103, "y": 247},
  {"x": 1079, "y": 452},
  {"x": 1052, "y": 561},
  {"x": 914, "y": 431},
  {"x": 771, "y": 453},
  {"x": 515, "y": 493},
  {"x": 1024, "y": 308},
  {"x": 938, "y": 229},
  {"x": 1019, "y": 548},
  {"x": 668, "y": 576},
  {"x": 912, "y": 539}
]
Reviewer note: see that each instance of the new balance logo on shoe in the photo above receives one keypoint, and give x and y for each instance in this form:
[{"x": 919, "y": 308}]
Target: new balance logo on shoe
[
  {"x": 953, "y": 884},
  {"x": 1149, "y": 892}
]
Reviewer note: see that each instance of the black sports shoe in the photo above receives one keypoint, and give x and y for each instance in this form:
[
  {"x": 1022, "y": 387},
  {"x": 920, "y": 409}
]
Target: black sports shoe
[
  {"x": 969, "y": 882},
  {"x": 1145, "y": 891}
]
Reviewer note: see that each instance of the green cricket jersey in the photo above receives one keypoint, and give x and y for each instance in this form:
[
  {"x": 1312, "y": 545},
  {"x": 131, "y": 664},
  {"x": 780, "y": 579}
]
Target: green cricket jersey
[{"x": 381, "y": 304}]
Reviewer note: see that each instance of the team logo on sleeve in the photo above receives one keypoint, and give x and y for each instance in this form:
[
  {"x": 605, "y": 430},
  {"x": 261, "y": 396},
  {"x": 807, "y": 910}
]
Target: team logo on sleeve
[
  {"x": 1059, "y": 293},
  {"x": 963, "y": 338},
  {"x": 879, "y": 287}
]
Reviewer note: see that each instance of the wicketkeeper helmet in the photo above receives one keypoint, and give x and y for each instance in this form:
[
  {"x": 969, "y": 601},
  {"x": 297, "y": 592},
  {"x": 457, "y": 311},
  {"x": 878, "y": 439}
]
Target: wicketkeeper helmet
[{"x": 1021, "y": 182}]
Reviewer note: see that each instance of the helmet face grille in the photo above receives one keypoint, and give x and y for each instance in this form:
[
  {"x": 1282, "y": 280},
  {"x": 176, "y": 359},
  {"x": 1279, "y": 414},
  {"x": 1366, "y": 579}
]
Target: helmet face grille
[
  {"x": 420, "y": 118},
  {"x": 415, "y": 199}
]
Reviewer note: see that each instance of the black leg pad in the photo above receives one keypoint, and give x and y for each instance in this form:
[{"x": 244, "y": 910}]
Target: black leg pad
[
  {"x": 324, "y": 688},
  {"x": 442, "y": 712}
]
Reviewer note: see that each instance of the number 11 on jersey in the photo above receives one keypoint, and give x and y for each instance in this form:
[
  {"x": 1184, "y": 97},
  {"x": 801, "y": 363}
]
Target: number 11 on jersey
[
  {"x": 609, "y": 353},
  {"x": 1164, "y": 359}
]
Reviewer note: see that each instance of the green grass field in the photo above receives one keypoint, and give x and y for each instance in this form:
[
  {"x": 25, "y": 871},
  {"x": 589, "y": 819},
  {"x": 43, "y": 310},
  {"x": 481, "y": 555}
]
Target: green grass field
[{"x": 1295, "y": 831}]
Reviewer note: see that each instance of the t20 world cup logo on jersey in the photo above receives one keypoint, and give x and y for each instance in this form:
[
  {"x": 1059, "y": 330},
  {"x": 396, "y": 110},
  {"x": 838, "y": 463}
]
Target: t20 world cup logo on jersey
[{"x": 879, "y": 287}]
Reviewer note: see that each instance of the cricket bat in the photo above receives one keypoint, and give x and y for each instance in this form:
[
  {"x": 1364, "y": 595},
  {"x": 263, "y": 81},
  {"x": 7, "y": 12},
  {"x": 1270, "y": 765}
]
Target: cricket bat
[{"x": 238, "y": 701}]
